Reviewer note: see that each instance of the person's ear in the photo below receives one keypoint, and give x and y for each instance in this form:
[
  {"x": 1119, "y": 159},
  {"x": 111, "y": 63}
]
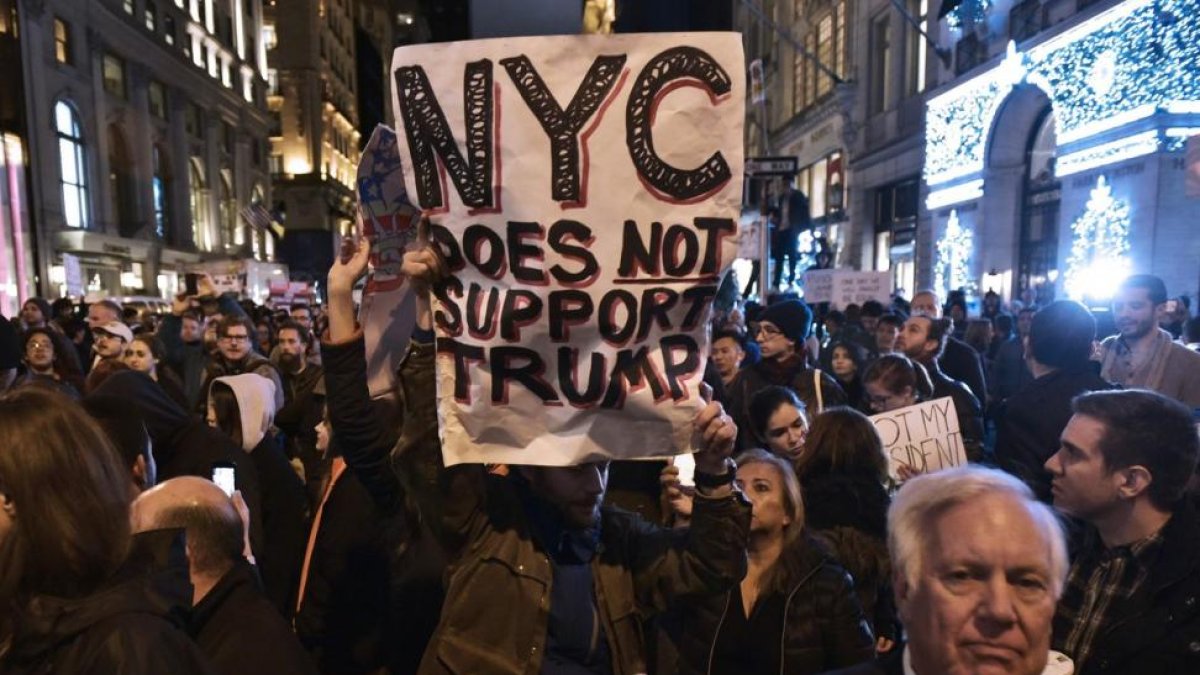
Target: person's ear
[
  {"x": 6, "y": 503},
  {"x": 139, "y": 472},
  {"x": 901, "y": 592},
  {"x": 1133, "y": 481}
]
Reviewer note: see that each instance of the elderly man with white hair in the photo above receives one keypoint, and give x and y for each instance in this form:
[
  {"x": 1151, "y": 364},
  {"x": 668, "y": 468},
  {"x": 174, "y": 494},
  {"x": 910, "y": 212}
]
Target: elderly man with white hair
[{"x": 979, "y": 565}]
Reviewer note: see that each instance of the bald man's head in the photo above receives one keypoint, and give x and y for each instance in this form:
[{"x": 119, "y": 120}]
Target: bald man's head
[{"x": 214, "y": 529}]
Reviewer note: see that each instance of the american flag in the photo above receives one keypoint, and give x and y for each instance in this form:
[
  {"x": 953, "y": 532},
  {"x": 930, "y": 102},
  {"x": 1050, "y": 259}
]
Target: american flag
[{"x": 257, "y": 216}]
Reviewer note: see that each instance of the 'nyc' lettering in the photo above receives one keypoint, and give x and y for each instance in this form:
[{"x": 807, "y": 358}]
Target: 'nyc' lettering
[{"x": 435, "y": 150}]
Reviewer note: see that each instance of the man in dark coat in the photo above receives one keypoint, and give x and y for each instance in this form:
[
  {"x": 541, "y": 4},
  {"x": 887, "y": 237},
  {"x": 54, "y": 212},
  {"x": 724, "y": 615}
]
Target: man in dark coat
[
  {"x": 958, "y": 360},
  {"x": 924, "y": 340},
  {"x": 231, "y": 619},
  {"x": 1030, "y": 422},
  {"x": 782, "y": 330},
  {"x": 303, "y": 407},
  {"x": 1132, "y": 599},
  {"x": 183, "y": 445}
]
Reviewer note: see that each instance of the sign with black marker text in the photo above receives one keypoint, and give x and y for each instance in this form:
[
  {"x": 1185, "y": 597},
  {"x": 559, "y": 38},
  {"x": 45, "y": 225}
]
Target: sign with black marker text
[
  {"x": 585, "y": 192},
  {"x": 924, "y": 436}
]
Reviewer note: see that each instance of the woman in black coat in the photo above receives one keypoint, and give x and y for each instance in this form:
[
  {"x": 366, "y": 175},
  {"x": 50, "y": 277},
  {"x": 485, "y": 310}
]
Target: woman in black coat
[
  {"x": 795, "y": 612},
  {"x": 843, "y": 471},
  {"x": 68, "y": 600}
]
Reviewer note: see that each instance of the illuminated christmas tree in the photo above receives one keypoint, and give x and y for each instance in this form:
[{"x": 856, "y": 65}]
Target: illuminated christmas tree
[
  {"x": 954, "y": 251},
  {"x": 1099, "y": 246}
]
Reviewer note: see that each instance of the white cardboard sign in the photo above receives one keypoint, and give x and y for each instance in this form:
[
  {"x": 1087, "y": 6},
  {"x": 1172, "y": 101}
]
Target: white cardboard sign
[
  {"x": 585, "y": 191},
  {"x": 924, "y": 436}
]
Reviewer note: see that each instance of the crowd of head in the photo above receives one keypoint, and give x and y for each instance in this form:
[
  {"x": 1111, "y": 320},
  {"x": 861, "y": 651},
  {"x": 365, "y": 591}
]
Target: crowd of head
[{"x": 215, "y": 490}]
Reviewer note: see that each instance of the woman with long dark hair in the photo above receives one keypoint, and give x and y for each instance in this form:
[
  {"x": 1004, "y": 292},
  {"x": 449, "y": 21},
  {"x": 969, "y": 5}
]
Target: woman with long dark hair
[
  {"x": 843, "y": 472},
  {"x": 67, "y": 602}
]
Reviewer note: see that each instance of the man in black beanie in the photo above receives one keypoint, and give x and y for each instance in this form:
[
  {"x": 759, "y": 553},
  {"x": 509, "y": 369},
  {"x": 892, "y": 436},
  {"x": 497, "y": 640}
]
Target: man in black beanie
[
  {"x": 781, "y": 331},
  {"x": 1058, "y": 351}
]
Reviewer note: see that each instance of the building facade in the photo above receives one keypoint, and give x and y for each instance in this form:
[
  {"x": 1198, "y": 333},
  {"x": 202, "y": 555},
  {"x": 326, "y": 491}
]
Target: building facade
[
  {"x": 1054, "y": 157},
  {"x": 807, "y": 106},
  {"x": 145, "y": 134},
  {"x": 313, "y": 104},
  {"x": 1033, "y": 148}
]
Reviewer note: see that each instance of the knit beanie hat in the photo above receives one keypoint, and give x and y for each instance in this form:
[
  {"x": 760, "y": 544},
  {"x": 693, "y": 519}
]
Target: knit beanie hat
[{"x": 792, "y": 317}]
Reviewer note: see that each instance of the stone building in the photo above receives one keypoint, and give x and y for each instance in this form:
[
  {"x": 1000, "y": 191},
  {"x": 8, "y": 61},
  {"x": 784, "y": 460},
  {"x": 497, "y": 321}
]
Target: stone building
[
  {"x": 313, "y": 100},
  {"x": 143, "y": 133}
]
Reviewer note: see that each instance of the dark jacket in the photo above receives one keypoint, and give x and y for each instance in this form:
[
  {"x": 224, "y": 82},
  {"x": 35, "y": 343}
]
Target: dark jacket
[
  {"x": 1029, "y": 423},
  {"x": 891, "y": 664},
  {"x": 966, "y": 406},
  {"x": 301, "y": 412},
  {"x": 241, "y": 632},
  {"x": 285, "y": 524},
  {"x": 848, "y": 512},
  {"x": 496, "y": 613},
  {"x": 1157, "y": 630},
  {"x": 1009, "y": 373},
  {"x": 189, "y": 360},
  {"x": 823, "y": 624},
  {"x": 130, "y": 627},
  {"x": 345, "y": 620},
  {"x": 368, "y": 508},
  {"x": 961, "y": 362},
  {"x": 185, "y": 446},
  {"x": 763, "y": 374}
]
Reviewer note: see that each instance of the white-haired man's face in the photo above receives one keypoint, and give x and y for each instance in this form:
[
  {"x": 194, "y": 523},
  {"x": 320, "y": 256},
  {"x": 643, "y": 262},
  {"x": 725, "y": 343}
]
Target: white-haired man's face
[{"x": 985, "y": 597}]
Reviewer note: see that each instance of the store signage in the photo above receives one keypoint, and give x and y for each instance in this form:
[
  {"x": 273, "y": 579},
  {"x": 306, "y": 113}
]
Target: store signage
[{"x": 771, "y": 166}]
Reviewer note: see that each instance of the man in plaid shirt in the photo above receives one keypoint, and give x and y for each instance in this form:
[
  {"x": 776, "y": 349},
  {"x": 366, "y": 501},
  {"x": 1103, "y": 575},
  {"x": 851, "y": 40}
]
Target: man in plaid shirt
[{"x": 1132, "y": 600}]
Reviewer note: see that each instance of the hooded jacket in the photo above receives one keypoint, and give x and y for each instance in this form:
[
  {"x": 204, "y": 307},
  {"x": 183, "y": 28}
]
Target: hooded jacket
[
  {"x": 252, "y": 363},
  {"x": 128, "y": 627},
  {"x": 182, "y": 444},
  {"x": 284, "y": 501},
  {"x": 255, "y": 395}
]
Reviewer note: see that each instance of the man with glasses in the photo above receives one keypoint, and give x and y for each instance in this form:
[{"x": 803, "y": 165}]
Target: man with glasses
[
  {"x": 235, "y": 355},
  {"x": 109, "y": 341},
  {"x": 781, "y": 333}
]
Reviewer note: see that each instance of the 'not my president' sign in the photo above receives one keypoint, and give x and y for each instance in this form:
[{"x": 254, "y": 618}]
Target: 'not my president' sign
[
  {"x": 584, "y": 191},
  {"x": 925, "y": 437}
]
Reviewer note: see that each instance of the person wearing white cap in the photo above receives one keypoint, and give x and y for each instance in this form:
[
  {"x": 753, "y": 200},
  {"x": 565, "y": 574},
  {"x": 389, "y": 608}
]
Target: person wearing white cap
[{"x": 110, "y": 340}]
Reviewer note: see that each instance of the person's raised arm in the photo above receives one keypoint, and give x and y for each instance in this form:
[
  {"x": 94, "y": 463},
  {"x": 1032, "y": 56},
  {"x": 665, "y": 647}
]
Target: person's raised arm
[
  {"x": 350, "y": 264},
  {"x": 365, "y": 440},
  {"x": 710, "y": 555}
]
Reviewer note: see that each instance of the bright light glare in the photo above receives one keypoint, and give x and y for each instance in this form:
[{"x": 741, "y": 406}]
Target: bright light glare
[{"x": 1099, "y": 280}]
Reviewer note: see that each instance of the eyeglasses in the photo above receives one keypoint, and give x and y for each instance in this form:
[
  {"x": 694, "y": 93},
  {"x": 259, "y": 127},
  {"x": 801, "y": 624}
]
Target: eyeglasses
[
  {"x": 236, "y": 338},
  {"x": 38, "y": 344},
  {"x": 766, "y": 331}
]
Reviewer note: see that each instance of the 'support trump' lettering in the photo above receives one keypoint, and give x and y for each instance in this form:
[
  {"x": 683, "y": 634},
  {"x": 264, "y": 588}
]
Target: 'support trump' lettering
[{"x": 582, "y": 195}]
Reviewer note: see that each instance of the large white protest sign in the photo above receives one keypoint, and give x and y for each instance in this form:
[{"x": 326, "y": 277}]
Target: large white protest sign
[
  {"x": 925, "y": 437},
  {"x": 585, "y": 192},
  {"x": 389, "y": 222}
]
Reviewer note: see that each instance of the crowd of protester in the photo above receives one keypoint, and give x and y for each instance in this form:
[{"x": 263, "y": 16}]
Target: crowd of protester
[{"x": 1070, "y": 542}]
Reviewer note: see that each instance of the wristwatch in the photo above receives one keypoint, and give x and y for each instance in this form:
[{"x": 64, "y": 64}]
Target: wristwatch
[{"x": 712, "y": 481}]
